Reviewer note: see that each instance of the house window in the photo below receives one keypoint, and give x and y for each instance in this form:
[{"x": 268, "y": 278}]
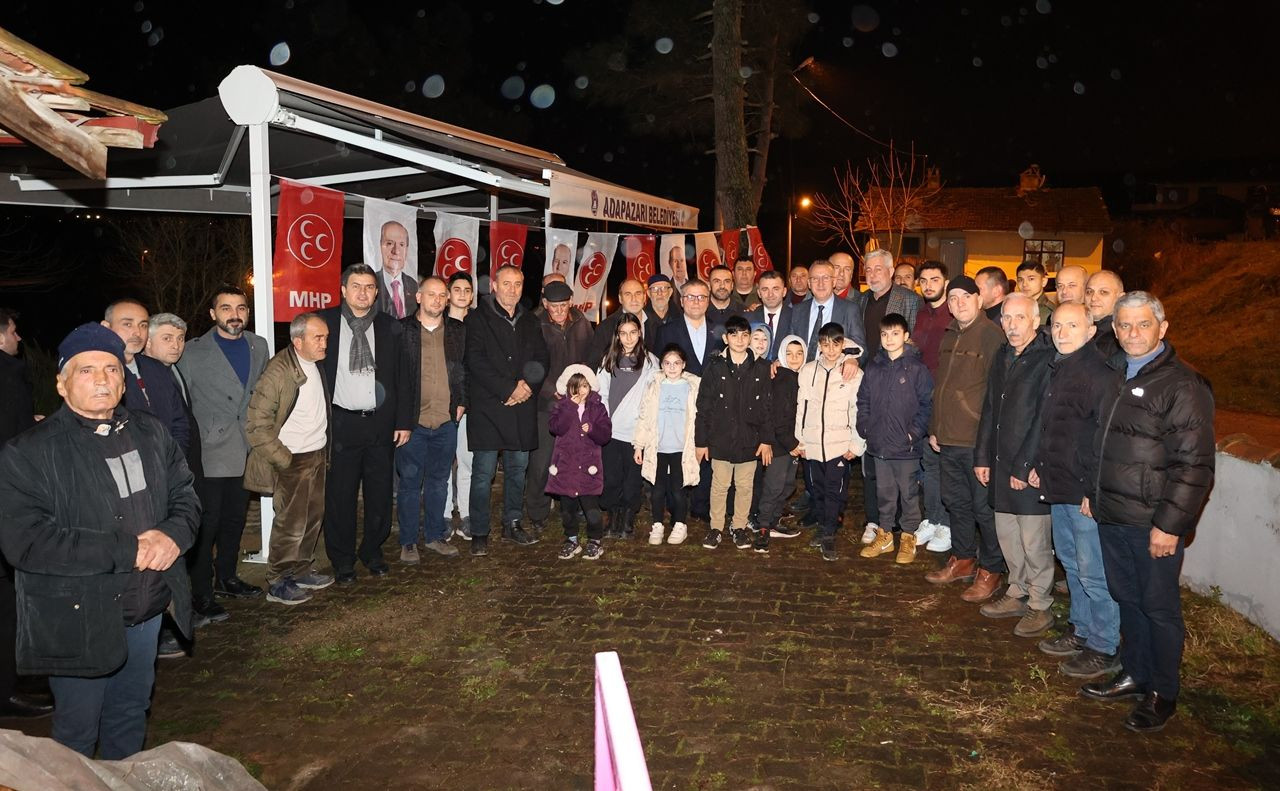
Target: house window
[
  {"x": 911, "y": 246},
  {"x": 1048, "y": 252}
]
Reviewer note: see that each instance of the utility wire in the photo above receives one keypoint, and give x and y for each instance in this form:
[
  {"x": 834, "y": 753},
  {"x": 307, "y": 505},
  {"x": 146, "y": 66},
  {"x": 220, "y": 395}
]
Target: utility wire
[{"x": 844, "y": 120}]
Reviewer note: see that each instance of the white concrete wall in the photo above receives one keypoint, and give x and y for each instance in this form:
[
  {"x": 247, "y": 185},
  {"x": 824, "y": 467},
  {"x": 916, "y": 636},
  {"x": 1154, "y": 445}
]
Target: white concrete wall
[{"x": 1237, "y": 546}]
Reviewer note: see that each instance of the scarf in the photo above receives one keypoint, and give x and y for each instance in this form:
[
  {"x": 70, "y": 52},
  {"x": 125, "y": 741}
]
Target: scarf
[{"x": 361, "y": 358}]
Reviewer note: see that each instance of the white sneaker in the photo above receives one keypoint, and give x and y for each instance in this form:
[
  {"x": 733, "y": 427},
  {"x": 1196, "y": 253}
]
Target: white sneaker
[
  {"x": 655, "y": 533},
  {"x": 925, "y": 532},
  {"x": 869, "y": 534},
  {"x": 679, "y": 532},
  {"x": 941, "y": 540}
]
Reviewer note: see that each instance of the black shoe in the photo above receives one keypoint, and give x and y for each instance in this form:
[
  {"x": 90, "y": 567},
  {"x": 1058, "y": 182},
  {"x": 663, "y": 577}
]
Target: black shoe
[
  {"x": 1151, "y": 714},
  {"x": 345, "y": 577},
  {"x": 741, "y": 538},
  {"x": 712, "y": 539},
  {"x": 379, "y": 568},
  {"x": 536, "y": 526},
  {"x": 1090, "y": 664},
  {"x": 809, "y": 519},
  {"x": 615, "y": 528},
  {"x": 479, "y": 546},
  {"x": 169, "y": 647},
  {"x": 829, "y": 548},
  {"x": 512, "y": 531},
  {"x": 761, "y": 544},
  {"x": 1119, "y": 687},
  {"x": 1066, "y": 644},
  {"x": 208, "y": 611},
  {"x": 22, "y": 706},
  {"x": 236, "y": 588},
  {"x": 816, "y": 540},
  {"x": 784, "y": 531}
]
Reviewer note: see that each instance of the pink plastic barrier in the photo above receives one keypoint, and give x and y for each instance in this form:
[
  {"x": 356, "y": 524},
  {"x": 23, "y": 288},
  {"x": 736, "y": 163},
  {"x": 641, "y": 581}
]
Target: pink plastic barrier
[{"x": 620, "y": 762}]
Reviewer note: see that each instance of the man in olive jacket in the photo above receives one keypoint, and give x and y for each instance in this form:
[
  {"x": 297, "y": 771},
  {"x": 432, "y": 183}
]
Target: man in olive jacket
[{"x": 96, "y": 504}]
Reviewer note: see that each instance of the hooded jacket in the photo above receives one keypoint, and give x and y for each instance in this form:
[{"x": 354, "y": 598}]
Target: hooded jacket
[
  {"x": 786, "y": 396},
  {"x": 576, "y": 467},
  {"x": 646, "y": 435},
  {"x": 895, "y": 402},
  {"x": 1009, "y": 430},
  {"x": 827, "y": 411}
]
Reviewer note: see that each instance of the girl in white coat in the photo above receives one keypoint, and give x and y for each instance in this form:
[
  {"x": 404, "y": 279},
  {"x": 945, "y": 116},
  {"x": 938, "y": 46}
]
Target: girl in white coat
[{"x": 664, "y": 443}]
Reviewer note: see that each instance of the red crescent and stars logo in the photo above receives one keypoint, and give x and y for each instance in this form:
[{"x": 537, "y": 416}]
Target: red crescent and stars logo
[
  {"x": 310, "y": 241},
  {"x": 591, "y": 270},
  {"x": 456, "y": 256}
]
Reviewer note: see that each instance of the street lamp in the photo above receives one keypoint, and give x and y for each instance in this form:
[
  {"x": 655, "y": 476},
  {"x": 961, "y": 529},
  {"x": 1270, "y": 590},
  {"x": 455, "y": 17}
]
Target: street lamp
[{"x": 804, "y": 203}]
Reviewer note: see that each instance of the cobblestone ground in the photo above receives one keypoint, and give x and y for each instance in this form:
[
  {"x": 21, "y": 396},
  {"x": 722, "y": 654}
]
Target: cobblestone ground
[{"x": 745, "y": 671}]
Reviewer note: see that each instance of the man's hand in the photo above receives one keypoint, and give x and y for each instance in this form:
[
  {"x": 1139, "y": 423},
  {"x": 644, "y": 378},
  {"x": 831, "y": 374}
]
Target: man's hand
[
  {"x": 1016, "y": 484},
  {"x": 1085, "y": 509},
  {"x": 848, "y": 455},
  {"x": 983, "y": 474},
  {"x": 765, "y": 452},
  {"x": 461, "y": 411},
  {"x": 773, "y": 370},
  {"x": 639, "y": 457},
  {"x": 401, "y": 437},
  {"x": 933, "y": 443},
  {"x": 798, "y": 451},
  {"x": 849, "y": 369},
  {"x": 1163, "y": 544},
  {"x": 702, "y": 454},
  {"x": 156, "y": 551},
  {"x": 1034, "y": 479},
  {"x": 521, "y": 394}
]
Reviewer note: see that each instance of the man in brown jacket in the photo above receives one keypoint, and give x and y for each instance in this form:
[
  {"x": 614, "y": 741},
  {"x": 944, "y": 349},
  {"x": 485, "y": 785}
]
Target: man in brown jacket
[
  {"x": 288, "y": 429},
  {"x": 968, "y": 346}
]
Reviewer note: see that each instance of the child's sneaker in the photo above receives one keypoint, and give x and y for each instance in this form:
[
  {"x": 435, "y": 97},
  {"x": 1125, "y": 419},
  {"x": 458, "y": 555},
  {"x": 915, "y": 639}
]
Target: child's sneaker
[
  {"x": 713, "y": 539},
  {"x": 569, "y": 548},
  {"x": 926, "y": 531},
  {"x": 741, "y": 538},
  {"x": 906, "y": 548},
  {"x": 869, "y": 534},
  {"x": 679, "y": 532},
  {"x": 761, "y": 543},
  {"x": 655, "y": 534},
  {"x": 593, "y": 551},
  {"x": 784, "y": 531},
  {"x": 829, "y": 548},
  {"x": 941, "y": 541},
  {"x": 881, "y": 544}
]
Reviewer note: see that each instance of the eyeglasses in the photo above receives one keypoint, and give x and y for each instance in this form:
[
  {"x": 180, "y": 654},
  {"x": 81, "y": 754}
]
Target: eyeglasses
[
  {"x": 820, "y": 278},
  {"x": 695, "y": 298}
]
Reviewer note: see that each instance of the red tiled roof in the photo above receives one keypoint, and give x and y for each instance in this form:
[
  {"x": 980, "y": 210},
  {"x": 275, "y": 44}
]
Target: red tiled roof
[{"x": 1078, "y": 210}]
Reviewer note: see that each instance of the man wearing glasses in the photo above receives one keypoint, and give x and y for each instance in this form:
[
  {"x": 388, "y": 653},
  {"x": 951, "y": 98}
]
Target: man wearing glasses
[
  {"x": 822, "y": 306},
  {"x": 692, "y": 333}
]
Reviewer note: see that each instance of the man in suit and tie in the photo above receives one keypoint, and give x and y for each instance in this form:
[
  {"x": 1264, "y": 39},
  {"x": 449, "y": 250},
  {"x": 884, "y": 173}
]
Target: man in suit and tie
[
  {"x": 371, "y": 419},
  {"x": 883, "y": 297},
  {"x": 774, "y": 308},
  {"x": 397, "y": 292},
  {"x": 221, "y": 368},
  {"x": 821, "y": 306},
  {"x": 691, "y": 332},
  {"x": 148, "y": 387}
]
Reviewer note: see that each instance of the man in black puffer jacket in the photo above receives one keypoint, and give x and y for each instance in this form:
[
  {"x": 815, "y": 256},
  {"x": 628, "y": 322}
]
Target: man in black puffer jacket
[{"x": 1155, "y": 470}]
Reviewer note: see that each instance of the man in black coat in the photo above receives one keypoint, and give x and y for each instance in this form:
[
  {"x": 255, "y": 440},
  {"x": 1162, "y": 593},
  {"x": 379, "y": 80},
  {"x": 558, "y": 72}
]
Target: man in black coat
[
  {"x": 1101, "y": 292},
  {"x": 1003, "y": 459},
  {"x": 371, "y": 418},
  {"x": 507, "y": 361},
  {"x": 1155, "y": 470},
  {"x": 96, "y": 504}
]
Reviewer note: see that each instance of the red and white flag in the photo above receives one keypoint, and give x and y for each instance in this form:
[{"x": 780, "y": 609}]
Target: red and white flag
[
  {"x": 758, "y": 254},
  {"x": 708, "y": 254},
  {"x": 593, "y": 274},
  {"x": 457, "y": 239},
  {"x": 562, "y": 247},
  {"x": 307, "y": 266},
  {"x": 639, "y": 253},
  {"x": 730, "y": 239},
  {"x": 671, "y": 258},
  {"x": 506, "y": 245}
]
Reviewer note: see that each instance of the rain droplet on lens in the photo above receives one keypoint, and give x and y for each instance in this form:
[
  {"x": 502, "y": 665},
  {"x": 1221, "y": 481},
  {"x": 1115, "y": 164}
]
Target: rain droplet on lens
[
  {"x": 410, "y": 86},
  {"x": 542, "y": 97},
  {"x": 1006, "y": 21},
  {"x": 865, "y": 18},
  {"x": 1042, "y": 62},
  {"x": 1053, "y": 58},
  {"x": 1118, "y": 245},
  {"x": 581, "y": 83},
  {"x": 422, "y": 13},
  {"x": 889, "y": 49},
  {"x": 279, "y": 54},
  {"x": 608, "y": 156},
  {"x": 1115, "y": 74},
  {"x": 1078, "y": 88},
  {"x": 664, "y": 45},
  {"x": 977, "y": 62},
  {"x": 155, "y": 36},
  {"x": 848, "y": 41},
  {"x": 433, "y": 87},
  {"x": 745, "y": 72},
  {"x": 1026, "y": 230},
  {"x": 521, "y": 66},
  {"x": 813, "y": 18},
  {"x": 512, "y": 88},
  {"x": 1043, "y": 6},
  {"x": 1130, "y": 179},
  {"x": 146, "y": 26},
  {"x": 137, "y": 8}
]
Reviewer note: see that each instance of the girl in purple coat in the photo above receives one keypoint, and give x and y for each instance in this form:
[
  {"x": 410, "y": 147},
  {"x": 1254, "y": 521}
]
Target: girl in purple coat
[{"x": 581, "y": 425}]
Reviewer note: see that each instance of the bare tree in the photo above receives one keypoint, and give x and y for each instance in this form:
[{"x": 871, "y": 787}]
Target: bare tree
[
  {"x": 883, "y": 200},
  {"x": 176, "y": 263}
]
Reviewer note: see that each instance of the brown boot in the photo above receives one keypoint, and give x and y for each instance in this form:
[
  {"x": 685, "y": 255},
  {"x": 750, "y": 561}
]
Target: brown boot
[
  {"x": 956, "y": 570},
  {"x": 982, "y": 587}
]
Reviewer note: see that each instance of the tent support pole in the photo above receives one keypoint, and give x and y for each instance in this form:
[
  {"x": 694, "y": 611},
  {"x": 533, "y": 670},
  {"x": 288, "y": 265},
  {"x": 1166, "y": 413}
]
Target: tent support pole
[{"x": 263, "y": 305}]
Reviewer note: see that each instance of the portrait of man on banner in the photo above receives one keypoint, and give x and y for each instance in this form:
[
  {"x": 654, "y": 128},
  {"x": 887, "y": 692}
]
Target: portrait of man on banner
[{"x": 391, "y": 248}]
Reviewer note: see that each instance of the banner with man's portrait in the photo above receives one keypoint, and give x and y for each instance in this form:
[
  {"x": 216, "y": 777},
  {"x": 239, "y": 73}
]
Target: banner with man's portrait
[
  {"x": 671, "y": 258},
  {"x": 562, "y": 248},
  {"x": 390, "y": 245}
]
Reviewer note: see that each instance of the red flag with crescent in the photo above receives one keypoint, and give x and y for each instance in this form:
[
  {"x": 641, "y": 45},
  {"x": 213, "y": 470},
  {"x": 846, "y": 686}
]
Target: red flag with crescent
[
  {"x": 457, "y": 239},
  {"x": 593, "y": 274},
  {"x": 639, "y": 253},
  {"x": 506, "y": 244},
  {"x": 730, "y": 241},
  {"x": 708, "y": 254},
  {"x": 758, "y": 254},
  {"x": 307, "y": 265}
]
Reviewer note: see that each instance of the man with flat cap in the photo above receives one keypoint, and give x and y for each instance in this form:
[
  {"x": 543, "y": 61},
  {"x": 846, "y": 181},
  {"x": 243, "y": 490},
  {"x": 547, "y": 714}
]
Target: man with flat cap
[{"x": 96, "y": 504}]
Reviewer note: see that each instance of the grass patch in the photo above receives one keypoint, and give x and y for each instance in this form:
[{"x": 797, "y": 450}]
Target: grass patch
[
  {"x": 337, "y": 653},
  {"x": 479, "y": 688}
]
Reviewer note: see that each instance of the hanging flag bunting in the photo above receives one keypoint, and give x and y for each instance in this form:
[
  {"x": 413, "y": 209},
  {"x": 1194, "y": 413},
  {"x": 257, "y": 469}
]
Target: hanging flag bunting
[
  {"x": 758, "y": 254},
  {"x": 593, "y": 274},
  {"x": 729, "y": 241},
  {"x": 506, "y": 244},
  {"x": 390, "y": 246},
  {"x": 457, "y": 239},
  {"x": 671, "y": 258},
  {"x": 639, "y": 253},
  {"x": 561, "y": 247},
  {"x": 708, "y": 254},
  {"x": 307, "y": 265}
]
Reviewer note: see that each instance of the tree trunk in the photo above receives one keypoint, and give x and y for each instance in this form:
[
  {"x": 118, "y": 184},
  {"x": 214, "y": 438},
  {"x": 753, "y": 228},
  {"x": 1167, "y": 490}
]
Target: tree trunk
[
  {"x": 733, "y": 180},
  {"x": 764, "y": 137}
]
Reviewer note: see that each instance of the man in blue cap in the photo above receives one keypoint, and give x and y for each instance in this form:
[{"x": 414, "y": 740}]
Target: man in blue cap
[{"x": 96, "y": 504}]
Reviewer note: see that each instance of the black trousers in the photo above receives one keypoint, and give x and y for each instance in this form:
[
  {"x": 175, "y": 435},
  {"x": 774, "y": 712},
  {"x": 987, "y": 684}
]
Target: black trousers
[
  {"x": 223, "y": 502},
  {"x": 668, "y": 489},
  {"x": 8, "y": 632},
  {"x": 830, "y": 481},
  {"x": 973, "y": 523},
  {"x": 589, "y": 506},
  {"x": 537, "y": 503},
  {"x": 1146, "y": 588},
  {"x": 621, "y": 477},
  {"x": 360, "y": 463}
]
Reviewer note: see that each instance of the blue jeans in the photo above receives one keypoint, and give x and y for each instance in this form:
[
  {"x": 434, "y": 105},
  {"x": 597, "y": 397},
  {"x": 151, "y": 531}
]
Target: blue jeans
[
  {"x": 113, "y": 707},
  {"x": 423, "y": 464},
  {"x": 484, "y": 466},
  {"x": 1094, "y": 614}
]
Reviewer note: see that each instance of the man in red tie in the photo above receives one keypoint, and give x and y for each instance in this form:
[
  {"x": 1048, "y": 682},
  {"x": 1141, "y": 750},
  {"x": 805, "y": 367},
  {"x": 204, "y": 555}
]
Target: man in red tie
[{"x": 397, "y": 291}]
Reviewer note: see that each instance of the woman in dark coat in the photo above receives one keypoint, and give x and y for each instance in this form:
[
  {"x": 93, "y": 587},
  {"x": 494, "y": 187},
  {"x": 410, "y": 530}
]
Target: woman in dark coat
[{"x": 581, "y": 425}]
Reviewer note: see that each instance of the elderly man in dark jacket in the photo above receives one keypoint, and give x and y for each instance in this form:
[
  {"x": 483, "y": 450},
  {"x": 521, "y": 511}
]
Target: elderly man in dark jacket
[
  {"x": 1079, "y": 379},
  {"x": 1003, "y": 459},
  {"x": 507, "y": 362},
  {"x": 96, "y": 504},
  {"x": 1155, "y": 470}
]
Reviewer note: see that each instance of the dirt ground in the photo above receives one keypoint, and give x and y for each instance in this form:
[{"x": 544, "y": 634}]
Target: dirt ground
[{"x": 745, "y": 671}]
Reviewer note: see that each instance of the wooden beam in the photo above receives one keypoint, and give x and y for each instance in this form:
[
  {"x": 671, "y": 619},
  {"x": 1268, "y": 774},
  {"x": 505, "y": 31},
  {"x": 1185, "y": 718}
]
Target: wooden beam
[{"x": 42, "y": 127}]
